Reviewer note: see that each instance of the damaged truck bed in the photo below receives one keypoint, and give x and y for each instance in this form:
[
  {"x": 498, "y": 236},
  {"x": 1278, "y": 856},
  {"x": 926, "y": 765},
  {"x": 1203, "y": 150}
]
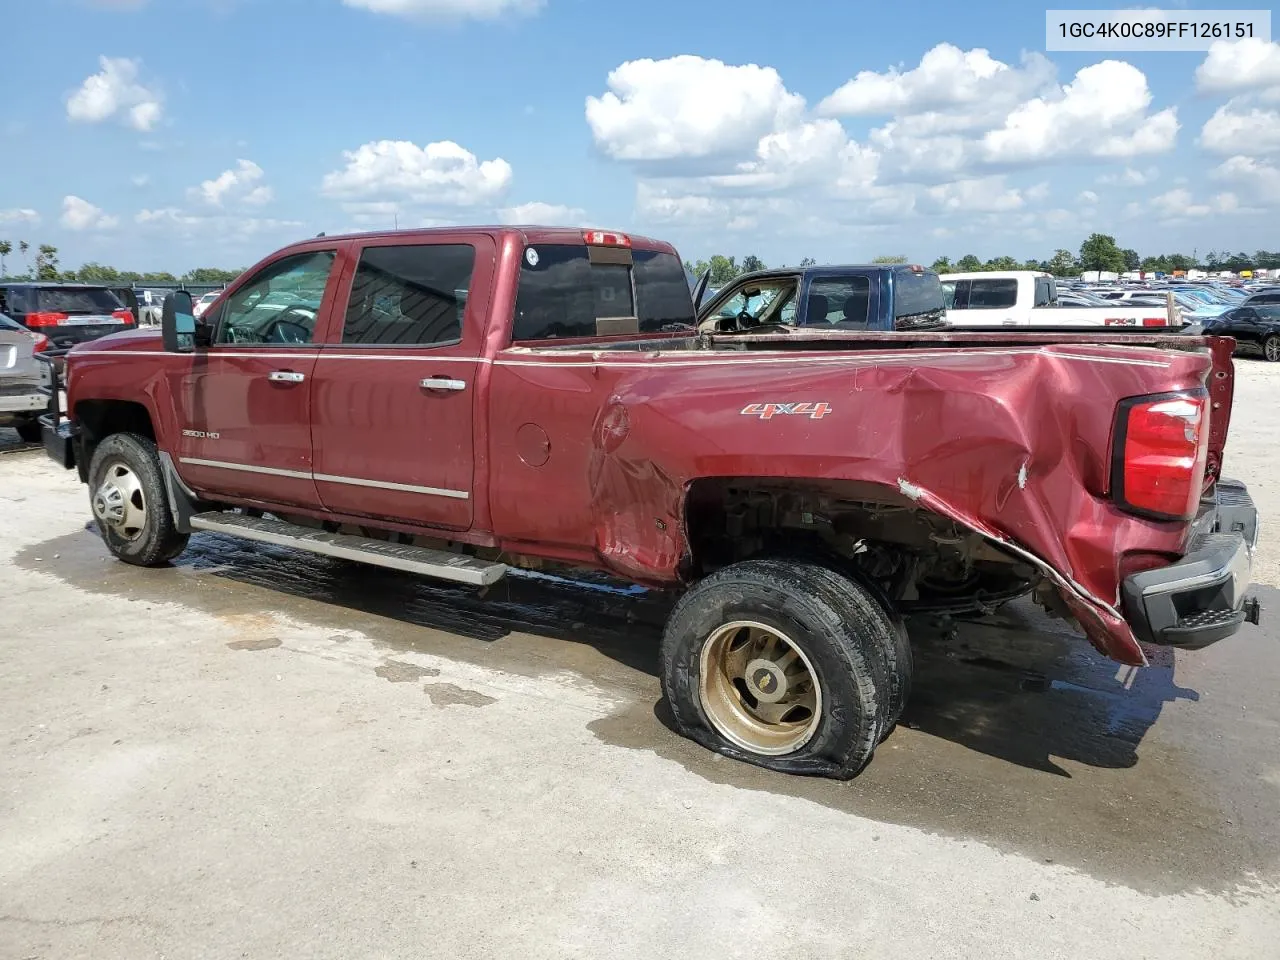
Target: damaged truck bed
[{"x": 455, "y": 402}]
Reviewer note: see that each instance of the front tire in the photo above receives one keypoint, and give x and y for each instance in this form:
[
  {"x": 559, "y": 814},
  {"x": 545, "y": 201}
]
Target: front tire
[
  {"x": 1271, "y": 348},
  {"x": 129, "y": 503},
  {"x": 783, "y": 664}
]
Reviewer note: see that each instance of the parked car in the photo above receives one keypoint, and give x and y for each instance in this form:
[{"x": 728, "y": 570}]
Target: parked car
[
  {"x": 21, "y": 400},
  {"x": 204, "y": 303},
  {"x": 66, "y": 313},
  {"x": 805, "y": 484},
  {"x": 1028, "y": 298},
  {"x": 1256, "y": 330},
  {"x": 1263, "y": 298}
]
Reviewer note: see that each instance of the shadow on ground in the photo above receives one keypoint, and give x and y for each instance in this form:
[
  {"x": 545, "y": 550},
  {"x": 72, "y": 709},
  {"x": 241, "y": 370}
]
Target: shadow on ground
[{"x": 1017, "y": 734}]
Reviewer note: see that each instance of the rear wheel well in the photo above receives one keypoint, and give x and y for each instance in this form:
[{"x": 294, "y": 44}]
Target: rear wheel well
[
  {"x": 99, "y": 419},
  {"x": 918, "y": 560}
]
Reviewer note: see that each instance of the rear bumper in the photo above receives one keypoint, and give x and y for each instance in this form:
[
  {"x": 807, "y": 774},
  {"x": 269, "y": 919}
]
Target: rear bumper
[
  {"x": 1201, "y": 599},
  {"x": 18, "y": 402}
]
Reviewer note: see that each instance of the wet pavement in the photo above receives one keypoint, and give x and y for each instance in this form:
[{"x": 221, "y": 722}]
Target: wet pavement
[{"x": 1142, "y": 806}]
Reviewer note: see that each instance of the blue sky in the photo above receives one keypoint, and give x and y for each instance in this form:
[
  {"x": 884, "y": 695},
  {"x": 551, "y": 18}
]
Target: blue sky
[{"x": 167, "y": 134}]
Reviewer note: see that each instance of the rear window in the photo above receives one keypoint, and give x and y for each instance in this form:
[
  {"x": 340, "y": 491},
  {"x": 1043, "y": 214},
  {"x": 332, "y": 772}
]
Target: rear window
[
  {"x": 1046, "y": 293},
  {"x": 563, "y": 294},
  {"x": 75, "y": 301},
  {"x": 917, "y": 295},
  {"x": 992, "y": 294}
]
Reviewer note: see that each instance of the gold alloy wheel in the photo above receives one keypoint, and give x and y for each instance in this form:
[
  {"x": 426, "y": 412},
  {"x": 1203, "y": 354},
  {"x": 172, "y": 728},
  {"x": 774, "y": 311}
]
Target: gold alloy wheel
[{"x": 758, "y": 688}]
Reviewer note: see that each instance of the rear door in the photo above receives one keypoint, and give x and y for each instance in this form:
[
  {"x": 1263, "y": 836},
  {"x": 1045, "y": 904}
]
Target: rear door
[{"x": 394, "y": 394}]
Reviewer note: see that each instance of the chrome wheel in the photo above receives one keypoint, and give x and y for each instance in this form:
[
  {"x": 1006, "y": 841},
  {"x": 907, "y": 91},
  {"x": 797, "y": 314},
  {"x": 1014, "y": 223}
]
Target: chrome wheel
[
  {"x": 758, "y": 689},
  {"x": 119, "y": 503},
  {"x": 1271, "y": 349}
]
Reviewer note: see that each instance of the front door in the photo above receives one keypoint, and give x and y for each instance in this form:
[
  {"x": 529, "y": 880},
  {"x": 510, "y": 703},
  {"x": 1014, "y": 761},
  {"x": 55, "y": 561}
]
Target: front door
[
  {"x": 393, "y": 401},
  {"x": 245, "y": 402}
]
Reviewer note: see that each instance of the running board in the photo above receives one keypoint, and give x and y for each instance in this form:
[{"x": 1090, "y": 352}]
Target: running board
[{"x": 380, "y": 553}]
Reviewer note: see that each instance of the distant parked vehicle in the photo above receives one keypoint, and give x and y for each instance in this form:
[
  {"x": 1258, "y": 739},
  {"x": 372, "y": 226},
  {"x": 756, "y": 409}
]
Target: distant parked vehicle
[
  {"x": 1256, "y": 330},
  {"x": 205, "y": 302},
  {"x": 66, "y": 313},
  {"x": 20, "y": 377}
]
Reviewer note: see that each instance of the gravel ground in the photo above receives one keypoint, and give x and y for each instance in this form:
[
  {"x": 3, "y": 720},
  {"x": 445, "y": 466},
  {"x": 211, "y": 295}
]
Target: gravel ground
[{"x": 262, "y": 754}]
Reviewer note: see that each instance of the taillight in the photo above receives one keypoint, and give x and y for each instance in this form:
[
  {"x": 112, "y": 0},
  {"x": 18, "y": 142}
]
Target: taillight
[
  {"x": 1155, "y": 321},
  {"x": 124, "y": 316},
  {"x": 1160, "y": 453},
  {"x": 46, "y": 319},
  {"x": 41, "y": 345},
  {"x": 602, "y": 238}
]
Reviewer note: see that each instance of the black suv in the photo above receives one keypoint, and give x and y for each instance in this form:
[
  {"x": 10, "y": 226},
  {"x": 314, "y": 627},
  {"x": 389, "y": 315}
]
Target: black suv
[{"x": 66, "y": 313}]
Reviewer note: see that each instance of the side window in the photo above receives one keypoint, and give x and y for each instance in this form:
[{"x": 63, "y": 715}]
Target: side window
[
  {"x": 409, "y": 296},
  {"x": 958, "y": 296},
  {"x": 842, "y": 302},
  {"x": 1044, "y": 292},
  {"x": 993, "y": 294},
  {"x": 280, "y": 305}
]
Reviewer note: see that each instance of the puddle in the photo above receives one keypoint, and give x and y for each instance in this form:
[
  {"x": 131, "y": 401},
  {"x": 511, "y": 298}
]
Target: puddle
[
  {"x": 451, "y": 695},
  {"x": 266, "y": 643},
  {"x": 1017, "y": 734}
]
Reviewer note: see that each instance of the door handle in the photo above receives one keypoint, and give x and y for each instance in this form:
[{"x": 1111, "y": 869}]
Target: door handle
[
  {"x": 443, "y": 383},
  {"x": 286, "y": 376}
]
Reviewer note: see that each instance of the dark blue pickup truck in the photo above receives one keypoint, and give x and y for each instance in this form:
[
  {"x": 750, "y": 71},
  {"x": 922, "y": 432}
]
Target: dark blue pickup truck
[{"x": 857, "y": 297}]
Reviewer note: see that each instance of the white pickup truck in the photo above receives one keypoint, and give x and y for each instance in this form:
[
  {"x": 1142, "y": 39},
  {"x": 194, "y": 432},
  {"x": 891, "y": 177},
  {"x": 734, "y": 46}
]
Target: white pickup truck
[{"x": 1027, "y": 298}]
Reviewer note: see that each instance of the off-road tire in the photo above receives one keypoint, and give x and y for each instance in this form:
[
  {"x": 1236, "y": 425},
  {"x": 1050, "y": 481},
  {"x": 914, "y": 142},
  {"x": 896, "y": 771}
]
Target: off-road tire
[
  {"x": 29, "y": 431},
  {"x": 159, "y": 542},
  {"x": 846, "y": 634}
]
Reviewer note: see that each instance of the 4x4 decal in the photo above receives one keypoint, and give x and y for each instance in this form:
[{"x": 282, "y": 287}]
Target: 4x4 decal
[{"x": 767, "y": 411}]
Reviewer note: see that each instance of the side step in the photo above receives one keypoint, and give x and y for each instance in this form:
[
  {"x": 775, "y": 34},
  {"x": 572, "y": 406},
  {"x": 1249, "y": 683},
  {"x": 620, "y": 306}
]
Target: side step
[{"x": 398, "y": 556}]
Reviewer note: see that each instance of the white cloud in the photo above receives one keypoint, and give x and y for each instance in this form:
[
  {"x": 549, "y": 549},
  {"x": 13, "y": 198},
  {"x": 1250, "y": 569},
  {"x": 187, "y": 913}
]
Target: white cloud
[
  {"x": 448, "y": 9},
  {"x": 19, "y": 215},
  {"x": 689, "y": 107},
  {"x": 544, "y": 214},
  {"x": 1234, "y": 130},
  {"x": 222, "y": 228},
  {"x": 241, "y": 185},
  {"x": 946, "y": 77},
  {"x": 1179, "y": 204},
  {"x": 1101, "y": 113},
  {"x": 1087, "y": 196},
  {"x": 115, "y": 92},
  {"x": 441, "y": 173},
  {"x": 79, "y": 215},
  {"x": 140, "y": 180},
  {"x": 1235, "y": 65},
  {"x": 1257, "y": 179},
  {"x": 984, "y": 195},
  {"x": 1130, "y": 177}
]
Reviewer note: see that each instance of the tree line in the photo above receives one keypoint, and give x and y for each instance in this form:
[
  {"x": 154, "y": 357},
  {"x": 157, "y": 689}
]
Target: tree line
[
  {"x": 1099, "y": 252},
  {"x": 45, "y": 267}
]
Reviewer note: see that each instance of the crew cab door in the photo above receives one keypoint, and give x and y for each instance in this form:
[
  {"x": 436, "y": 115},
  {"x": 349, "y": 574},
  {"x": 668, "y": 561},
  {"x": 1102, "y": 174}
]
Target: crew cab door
[
  {"x": 394, "y": 393},
  {"x": 244, "y": 403}
]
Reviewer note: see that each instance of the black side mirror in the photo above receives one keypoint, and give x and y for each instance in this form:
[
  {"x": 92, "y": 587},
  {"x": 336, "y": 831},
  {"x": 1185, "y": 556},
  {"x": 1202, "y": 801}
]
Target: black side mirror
[{"x": 178, "y": 323}]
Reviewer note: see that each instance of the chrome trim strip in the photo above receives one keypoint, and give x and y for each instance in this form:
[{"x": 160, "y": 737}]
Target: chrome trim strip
[
  {"x": 327, "y": 478},
  {"x": 387, "y": 485}
]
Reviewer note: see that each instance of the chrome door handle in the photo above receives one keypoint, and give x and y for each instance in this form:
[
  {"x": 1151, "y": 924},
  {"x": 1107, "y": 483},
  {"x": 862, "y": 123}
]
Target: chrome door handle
[
  {"x": 286, "y": 376},
  {"x": 443, "y": 383}
]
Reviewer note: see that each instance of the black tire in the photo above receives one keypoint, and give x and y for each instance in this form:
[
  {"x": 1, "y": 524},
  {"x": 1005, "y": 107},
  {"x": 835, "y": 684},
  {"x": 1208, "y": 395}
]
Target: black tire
[
  {"x": 844, "y": 632},
  {"x": 1271, "y": 348},
  {"x": 29, "y": 431},
  {"x": 157, "y": 542}
]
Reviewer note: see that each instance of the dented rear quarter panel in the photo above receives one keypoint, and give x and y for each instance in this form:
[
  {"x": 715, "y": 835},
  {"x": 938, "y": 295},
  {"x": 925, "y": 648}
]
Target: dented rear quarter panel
[{"x": 1012, "y": 441}]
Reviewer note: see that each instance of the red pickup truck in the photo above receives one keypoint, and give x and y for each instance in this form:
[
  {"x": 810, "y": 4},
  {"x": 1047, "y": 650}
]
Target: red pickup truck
[{"x": 458, "y": 402}]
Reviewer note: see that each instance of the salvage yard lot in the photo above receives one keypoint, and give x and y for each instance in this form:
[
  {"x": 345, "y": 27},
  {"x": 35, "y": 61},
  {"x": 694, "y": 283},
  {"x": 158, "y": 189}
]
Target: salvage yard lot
[{"x": 260, "y": 753}]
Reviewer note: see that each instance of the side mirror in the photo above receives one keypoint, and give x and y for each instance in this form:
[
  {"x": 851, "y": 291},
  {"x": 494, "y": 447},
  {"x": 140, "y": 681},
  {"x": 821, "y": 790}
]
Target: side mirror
[{"x": 178, "y": 323}]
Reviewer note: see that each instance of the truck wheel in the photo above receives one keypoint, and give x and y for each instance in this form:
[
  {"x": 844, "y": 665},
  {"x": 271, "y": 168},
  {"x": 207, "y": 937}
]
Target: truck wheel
[
  {"x": 129, "y": 503},
  {"x": 782, "y": 664},
  {"x": 1271, "y": 348},
  {"x": 29, "y": 431}
]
